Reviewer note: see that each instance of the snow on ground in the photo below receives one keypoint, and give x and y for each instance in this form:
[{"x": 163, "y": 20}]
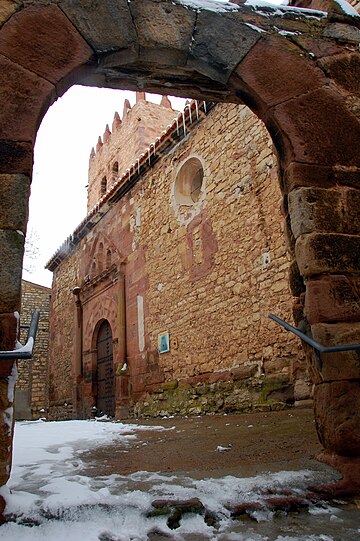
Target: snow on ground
[{"x": 49, "y": 497}]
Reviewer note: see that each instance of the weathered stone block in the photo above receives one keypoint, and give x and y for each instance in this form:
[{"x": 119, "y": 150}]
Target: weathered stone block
[
  {"x": 164, "y": 30},
  {"x": 214, "y": 52},
  {"x": 347, "y": 175},
  {"x": 343, "y": 365},
  {"x": 276, "y": 365},
  {"x": 314, "y": 135},
  {"x": 276, "y": 73},
  {"x": 316, "y": 47},
  {"x": 316, "y": 209},
  {"x": 8, "y": 330},
  {"x": 333, "y": 298},
  {"x": 352, "y": 212},
  {"x": 343, "y": 32},
  {"x": 15, "y": 192},
  {"x": 105, "y": 24},
  {"x": 243, "y": 372},
  {"x": 16, "y": 157},
  {"x": 42, "y": 40},
  {"x": 24, "y": 97},
  {"x": 11, "y": 248},
  {"x": 344, "y": 69},
  {"x": 296, "y": 281},
  {"x": 7, "y": 8},
  {"x": 302, "y": 174},
  {"x": 289, "y": 237},
  {"x": 318, "y": 253},
  {"x": 337, "y": 407}
]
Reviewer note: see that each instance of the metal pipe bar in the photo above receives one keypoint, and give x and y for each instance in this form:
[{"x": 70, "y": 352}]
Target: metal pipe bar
[
  {"x": 26, "y": 351},
  {"x": 313, "y": 343}
]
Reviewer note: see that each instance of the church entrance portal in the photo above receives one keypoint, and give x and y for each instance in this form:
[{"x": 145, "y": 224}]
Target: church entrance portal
[{"x": 105, "y": 401}]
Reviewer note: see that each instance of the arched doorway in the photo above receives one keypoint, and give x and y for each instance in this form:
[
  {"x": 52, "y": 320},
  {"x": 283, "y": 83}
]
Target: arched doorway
[
  {"x": 302, "y": 81},
  {"x": 105, "y": 398}
]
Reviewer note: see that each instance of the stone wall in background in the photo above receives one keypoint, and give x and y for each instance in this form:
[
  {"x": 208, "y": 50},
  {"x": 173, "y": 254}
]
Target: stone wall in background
[
  {"x": 62, "y": 335},
  {"x": 32, "y": 387}
]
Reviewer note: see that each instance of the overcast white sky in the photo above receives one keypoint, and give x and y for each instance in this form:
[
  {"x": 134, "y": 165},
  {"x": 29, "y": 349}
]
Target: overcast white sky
[{"x": 63, "y": 144}]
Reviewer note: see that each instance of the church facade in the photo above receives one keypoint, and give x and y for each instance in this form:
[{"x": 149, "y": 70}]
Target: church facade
[{"x": 161, "y": 295}]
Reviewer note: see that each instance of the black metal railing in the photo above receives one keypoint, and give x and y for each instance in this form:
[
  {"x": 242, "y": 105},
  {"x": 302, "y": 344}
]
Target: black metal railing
[
  {"x": 311, "y": 342},
  {"x": 26, "y": 351}
]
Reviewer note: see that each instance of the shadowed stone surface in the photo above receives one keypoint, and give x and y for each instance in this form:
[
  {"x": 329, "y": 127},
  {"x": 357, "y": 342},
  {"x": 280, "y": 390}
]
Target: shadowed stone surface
[
  {"x": 43, "y": 40},
  {"x": 15, "y": 190},
  {"x": 105, "y": 24},
  {"x": 25, "y": 103},
  {"x": 333, "y": 298},
  {"x": 316, "y": 209},
  {"x": 311, "y": 175},
  {"x": 213, "y": 51},
  {"x": 345, "y": 69},
  {"x": 16, "y": 157},
  {"x": 164, "y": 31},
  {"x": 337, "y": 406},
  {"x": 8, "y": 329},
  {"x": 11, "y": 249},
  {"x": 338, "y": 366},
  {"x": 317, "y": 253},
  {"x": 317, "y": 137},
  {"x": 343, "y": 32},
  {"x": 264, "y": 69}
]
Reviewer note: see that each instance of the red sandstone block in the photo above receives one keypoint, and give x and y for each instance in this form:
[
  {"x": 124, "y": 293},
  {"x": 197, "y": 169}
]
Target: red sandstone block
[
  {"x": 319, "y": 128},
  {"x": 344, "y": 69},
  {"x": 276, "y": 74},
  {"x": 6, "y": 368},
  {"x": 337, "y": 406},
  {"x": 8, "y": 332},
  {"x": 43, "y": 40},
  {"x": 17, "y": 86},
  {"x": 318, "y": 253},
  {"x": 343, "y": 365},
  {"x": 16, "y": 157},
  {"x": 15, "y": 191},
  {"x": 333, "y": 298}
]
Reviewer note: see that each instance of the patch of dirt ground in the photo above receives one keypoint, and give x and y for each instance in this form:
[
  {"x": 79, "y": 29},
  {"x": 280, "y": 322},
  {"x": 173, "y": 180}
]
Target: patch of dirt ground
[{"x": 214, "y": 446}]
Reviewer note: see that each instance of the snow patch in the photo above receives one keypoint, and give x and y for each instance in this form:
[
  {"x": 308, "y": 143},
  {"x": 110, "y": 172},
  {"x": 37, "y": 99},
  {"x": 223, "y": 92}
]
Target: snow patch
[
  {"x": 51, "y": 493},
  {"x": 218, "y": 6},
  {"x": 255, "y": 27},
  {"x": 347, "y": 8}
]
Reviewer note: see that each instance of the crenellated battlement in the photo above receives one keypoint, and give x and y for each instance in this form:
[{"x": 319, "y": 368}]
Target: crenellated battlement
[{"x": 129, "y": 136}]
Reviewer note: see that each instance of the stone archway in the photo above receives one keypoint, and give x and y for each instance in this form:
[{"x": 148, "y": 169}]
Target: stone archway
[
  {"x": 298, "y": 72},
  {"x": 105, "y": 381}
]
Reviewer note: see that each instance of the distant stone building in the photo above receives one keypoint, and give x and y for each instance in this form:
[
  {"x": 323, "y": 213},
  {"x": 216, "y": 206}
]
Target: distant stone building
[
  {"x": 32, "y": 387},
  {"x": 160, "y": 296}
]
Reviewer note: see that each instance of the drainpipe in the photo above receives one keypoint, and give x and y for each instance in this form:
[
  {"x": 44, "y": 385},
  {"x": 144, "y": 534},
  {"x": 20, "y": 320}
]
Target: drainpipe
[
  {"x": 122, "y": 408},
  {"x": 77, "y": 368},
  {"x": 122, "y": 321}
]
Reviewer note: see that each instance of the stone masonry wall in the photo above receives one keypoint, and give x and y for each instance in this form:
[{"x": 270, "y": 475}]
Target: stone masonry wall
[
  {"x": 208, "y": 274},
  {"x": 31, "y": 398},
  {"x": 214, "y": 277},
  {"x": 62, "y": 325}
]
